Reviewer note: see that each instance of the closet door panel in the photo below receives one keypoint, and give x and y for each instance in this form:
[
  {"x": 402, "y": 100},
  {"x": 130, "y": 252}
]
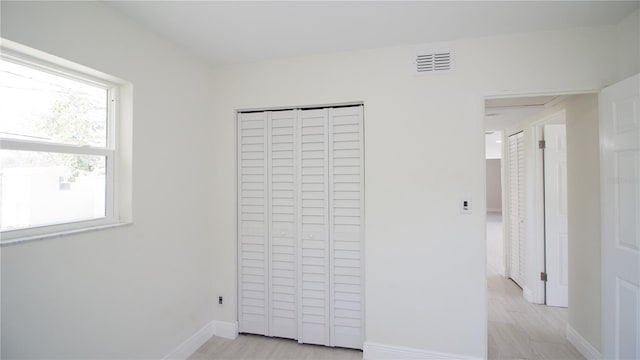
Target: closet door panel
[
  {"x": 516, "y": 192},
  {"x": 346, "y": 206},
  {"x": 252, "y": 223},
  {"x": 313, "y": 220},
  {"x": 521, "y": 210},
  {"x": 282, "y": 224}
]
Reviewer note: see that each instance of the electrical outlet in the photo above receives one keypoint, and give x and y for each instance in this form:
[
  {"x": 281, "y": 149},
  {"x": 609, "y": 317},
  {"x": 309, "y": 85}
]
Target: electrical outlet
[
  {"x": 219, "y": 300},
  {"x": 465, "y": 205}
]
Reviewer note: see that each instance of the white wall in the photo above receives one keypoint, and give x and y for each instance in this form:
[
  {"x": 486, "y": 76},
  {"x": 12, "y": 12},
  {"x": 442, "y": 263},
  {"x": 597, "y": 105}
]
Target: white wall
[
  {"x": 140, "y": 290},
  {"x": 628, "y": 46},
  {"x": 494, "y": 185},
  {"x": 583, "y": 183},
  {"x": 425, "y": 262}
]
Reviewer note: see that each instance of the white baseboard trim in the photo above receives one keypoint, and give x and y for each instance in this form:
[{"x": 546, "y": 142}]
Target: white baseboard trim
[
  {"x": 223, "y": 329},
  {"x": 582, "y": 345},
  {"x": 189, "y": 346},
  {"x": 226, "y": 329},
  {"x": 527, "y": 294},
  {"x": 376, "y": 351}
]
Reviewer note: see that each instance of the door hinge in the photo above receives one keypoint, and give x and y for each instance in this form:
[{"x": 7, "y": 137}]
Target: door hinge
[
  {"x": 542, "y": 144},
  {"x": 543, "y": 276}
]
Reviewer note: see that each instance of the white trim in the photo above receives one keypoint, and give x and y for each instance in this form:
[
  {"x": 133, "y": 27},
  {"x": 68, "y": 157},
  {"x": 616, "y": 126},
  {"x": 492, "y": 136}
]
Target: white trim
[
  {"x": 228, "y": 330},
  {"x": 30, "y": 145},
  {"x": 581, "y": 344},
  {"x": 15, "y": 52},
  {"x": 374, "y": 351},
  {"x": 117, "y": 149},
  {"x": 189, "y": 346},
  {"x": 62, "y": 233},
  {"x": 300, "y": 107},
  {"x": 502, "y": 94},
  {"x": 527, "y": 294},
  {"x": 225, "y": 329},
  {"x": 535, "y": 215}
]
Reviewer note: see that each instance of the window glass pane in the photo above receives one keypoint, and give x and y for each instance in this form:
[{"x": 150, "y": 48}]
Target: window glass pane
[
  {"x": 38, "y": 188},
  {"x": 35, "y": 105}
]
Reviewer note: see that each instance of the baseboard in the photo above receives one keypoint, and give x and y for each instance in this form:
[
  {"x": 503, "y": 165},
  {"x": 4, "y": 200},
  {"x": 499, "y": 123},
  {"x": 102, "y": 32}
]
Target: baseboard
[
  {"x": 189, "y": 346},
  {"x": 581, "y": 344},
  {"x": 494, "y": 210},
  {"x": 375, "y": 351},
  {"x": 527, "y": 294},
  {"x": 226, "y": 329},
  {"x": 223, "y": 329}
]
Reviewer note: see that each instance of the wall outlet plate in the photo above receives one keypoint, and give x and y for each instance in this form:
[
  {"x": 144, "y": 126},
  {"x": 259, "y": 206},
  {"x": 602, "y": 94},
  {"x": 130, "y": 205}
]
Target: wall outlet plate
[{"x": 465, "y": 205}]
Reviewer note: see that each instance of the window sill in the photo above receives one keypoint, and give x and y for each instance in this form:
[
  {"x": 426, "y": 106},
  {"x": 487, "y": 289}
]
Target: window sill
[{"x": 62, "y": 233}]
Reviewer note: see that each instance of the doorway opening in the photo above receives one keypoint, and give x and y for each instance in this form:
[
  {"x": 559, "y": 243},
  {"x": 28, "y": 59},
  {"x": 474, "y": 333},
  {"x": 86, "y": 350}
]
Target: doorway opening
[{"x": 527, "y": 233}]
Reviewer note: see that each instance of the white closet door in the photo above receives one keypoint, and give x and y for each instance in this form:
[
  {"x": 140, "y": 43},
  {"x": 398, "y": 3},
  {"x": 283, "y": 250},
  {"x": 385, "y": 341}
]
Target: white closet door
[
  {"x": 282, "y": 225},
  {"x": 346, "y": 206},
  {"x": 521, "y": 210},
  {"x": 252, "y": 223},
  {"x": 516, "y": 208},
  {"x": 314, "y": 320}
]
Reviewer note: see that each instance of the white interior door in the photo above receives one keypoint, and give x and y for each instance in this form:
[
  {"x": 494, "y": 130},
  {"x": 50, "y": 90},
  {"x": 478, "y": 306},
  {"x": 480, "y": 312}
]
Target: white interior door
[
  {"x": 555, "y": 203},
  {"x": 516, "y": 192},
  {"x": 620, "y": 182}
]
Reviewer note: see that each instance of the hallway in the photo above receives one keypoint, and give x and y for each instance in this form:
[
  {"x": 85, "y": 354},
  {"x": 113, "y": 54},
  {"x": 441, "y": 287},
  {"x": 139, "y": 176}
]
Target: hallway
[{"x": 518, "y": 329}]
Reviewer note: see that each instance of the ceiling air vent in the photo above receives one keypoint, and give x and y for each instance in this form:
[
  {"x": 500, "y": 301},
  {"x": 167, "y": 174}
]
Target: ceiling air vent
[{"x": 434, "y": 61}]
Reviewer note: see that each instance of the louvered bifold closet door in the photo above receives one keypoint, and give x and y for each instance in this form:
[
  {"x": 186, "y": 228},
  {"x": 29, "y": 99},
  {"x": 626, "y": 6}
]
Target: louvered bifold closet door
[
  {"x": 314, "y": 296},
  {"x": 253, "y": 261},
  {"x": 283, "y": 235},
  {"x": 346, "y": 206},
  {"x": 521, "y": 210},
  {"x": 516, "y": 207}
]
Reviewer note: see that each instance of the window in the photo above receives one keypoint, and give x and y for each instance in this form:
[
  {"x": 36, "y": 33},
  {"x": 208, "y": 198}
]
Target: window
[{"x": 57, "y": 148}]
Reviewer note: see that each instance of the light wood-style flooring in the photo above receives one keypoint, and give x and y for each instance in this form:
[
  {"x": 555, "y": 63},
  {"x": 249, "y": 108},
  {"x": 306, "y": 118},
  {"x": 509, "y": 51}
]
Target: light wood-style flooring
[
  {"x": 517, "y": 329},
  {"x": 256, "y": 347},
  {"x": 520, "y": 330}
]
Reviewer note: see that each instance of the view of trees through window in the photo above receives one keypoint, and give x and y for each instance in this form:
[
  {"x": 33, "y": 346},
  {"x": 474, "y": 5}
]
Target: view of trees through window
[{"x": 61, "y": 184}]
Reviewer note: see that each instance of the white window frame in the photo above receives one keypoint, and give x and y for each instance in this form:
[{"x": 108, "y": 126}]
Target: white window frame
[{"x": 64, "y": 69}]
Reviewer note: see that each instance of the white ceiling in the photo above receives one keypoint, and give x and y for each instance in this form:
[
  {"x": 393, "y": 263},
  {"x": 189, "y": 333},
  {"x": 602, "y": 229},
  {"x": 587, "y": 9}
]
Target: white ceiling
[{"x": 246, "y": 31}]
